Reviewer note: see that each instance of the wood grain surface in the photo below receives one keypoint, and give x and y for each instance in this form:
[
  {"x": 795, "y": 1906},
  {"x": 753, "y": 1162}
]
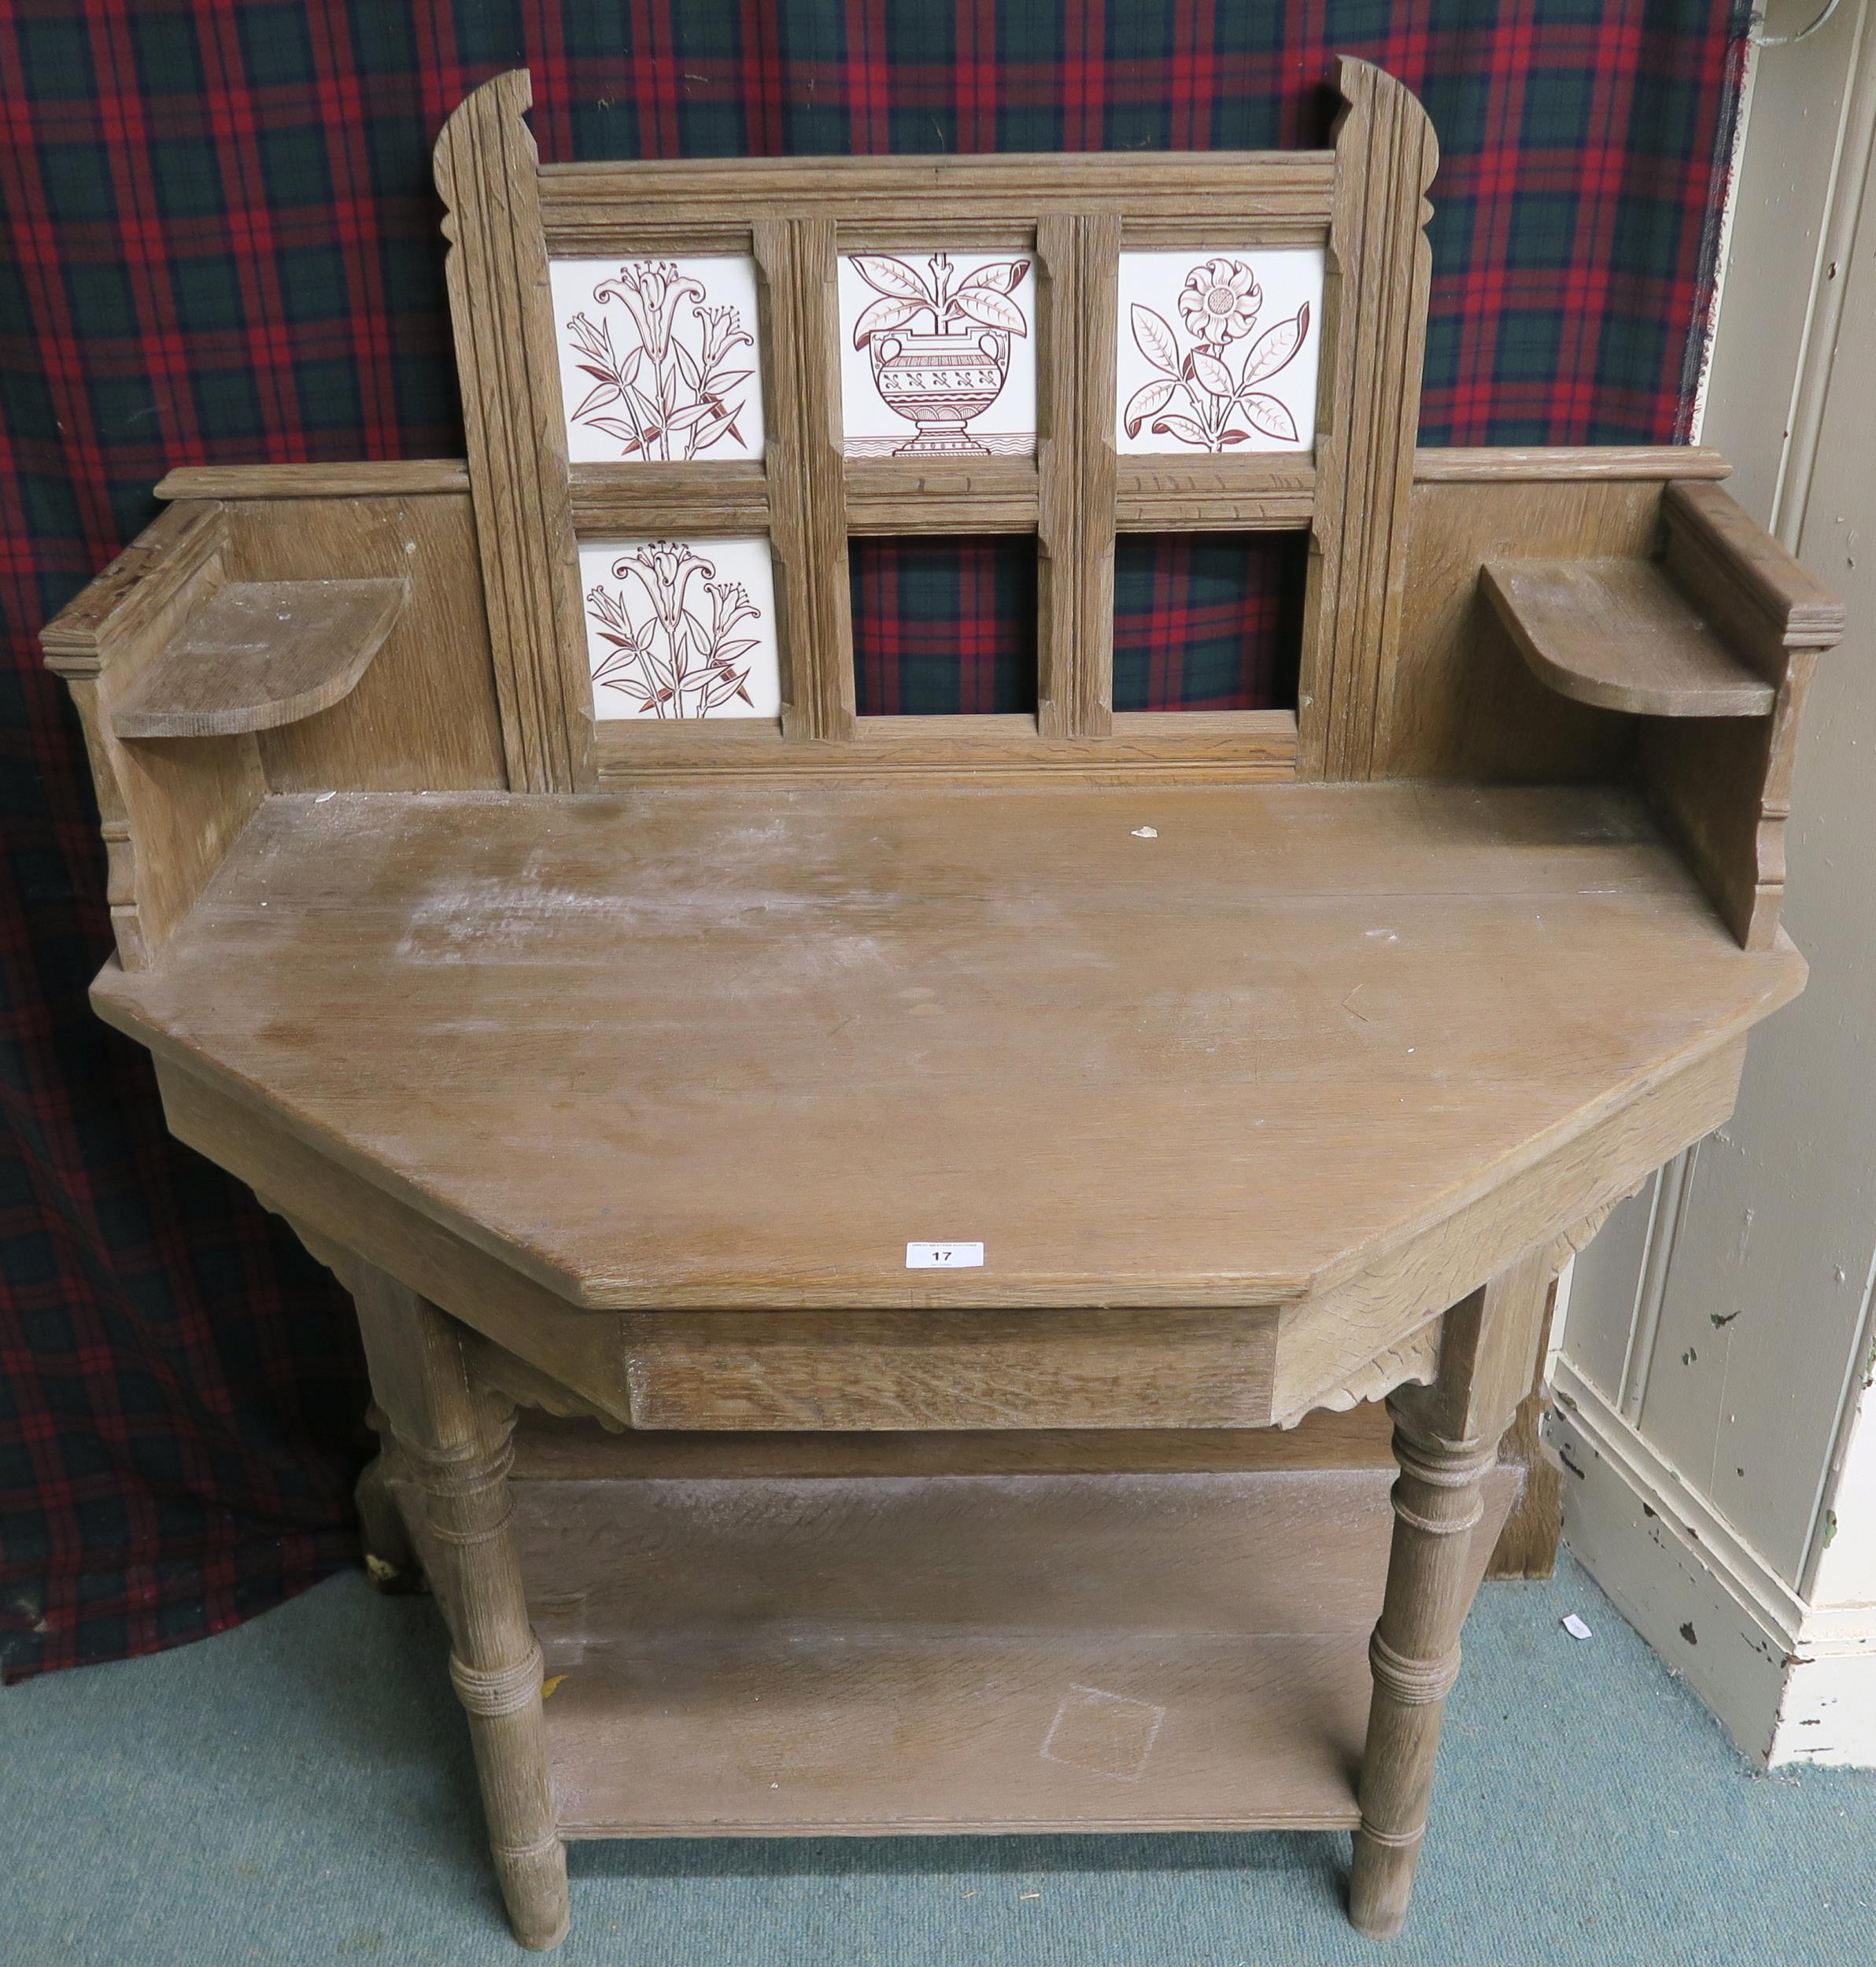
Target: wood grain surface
[
  {"x": 261, "y": 653},
  {"x": 1465, "y": 705},
  {"x": 655, "y": 501},
  {"x": 1619, "y": 634},
  {"x": 1506, "y": 464},
  {"x": 837, "y": 1651},
  {"x": 1169, "y": 746},
  {"x": 174, "y": 560},
  {"x": 1375, "y": 328},
  {"x": 425, "y": 716},
  {"x": 1265, "y": 492},
  {"x": 1446, "y": 1438},
  {"x": 1260, "y": 1098},
  {"x": 802, "y": 410},
  {"x": 485, "y": 167},
  {"x": 715, "y": 1047},
  {"x": 452, "y": 1444},
  {"x": 1062, "y": 660},
  {"x": 579, "y": 201},
  {"x": 1082, "y": 669},
  {"x": 945, "y": 1369},
  {"x": 1727, "y": 560},
  {"x": 548, "y": 1448},
  {"x": 168, "y": 812},
  {"x": 365, "y": 477},
  {"x": 1724, "y": 790}
]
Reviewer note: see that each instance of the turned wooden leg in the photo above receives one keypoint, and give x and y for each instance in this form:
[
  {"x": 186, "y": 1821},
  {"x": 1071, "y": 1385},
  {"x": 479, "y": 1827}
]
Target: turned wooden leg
[
  {"x": 455, "y": 1438},
  {"x": 1415, "y": 1656},
  {"x": 1446, "y": 1439}
]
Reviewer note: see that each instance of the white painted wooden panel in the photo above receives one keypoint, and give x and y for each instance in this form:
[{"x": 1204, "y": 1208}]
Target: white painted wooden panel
[
  {"x": 1732, "y": 1493},
  {"x": 1604, "y": 1287},
  {"x": 1761, "y": 1306},
  {"x": 1762, "y": 1326},
  {"x": 1846, "y": 1569},
  {"x": 1776, "y": 247},
  {"x": 1789, "y": 1683},
  {"x": 1759, "y": 1311}
]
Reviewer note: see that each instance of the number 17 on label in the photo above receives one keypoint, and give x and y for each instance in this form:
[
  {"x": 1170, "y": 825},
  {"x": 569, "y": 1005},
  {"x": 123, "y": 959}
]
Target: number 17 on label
[{"x": 944, "y": 1257}]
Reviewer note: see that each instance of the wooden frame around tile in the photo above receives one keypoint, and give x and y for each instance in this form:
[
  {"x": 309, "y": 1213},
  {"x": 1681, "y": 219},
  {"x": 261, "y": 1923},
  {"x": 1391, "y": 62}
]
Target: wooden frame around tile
[{"x": 1363, "y": 200}]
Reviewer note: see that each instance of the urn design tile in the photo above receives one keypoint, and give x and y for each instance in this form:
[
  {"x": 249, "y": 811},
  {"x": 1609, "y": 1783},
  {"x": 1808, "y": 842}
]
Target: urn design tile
[{"x": 938, "y": 354}]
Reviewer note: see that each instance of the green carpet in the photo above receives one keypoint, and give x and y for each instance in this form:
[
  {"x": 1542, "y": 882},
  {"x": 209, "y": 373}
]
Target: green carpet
[{"x": 300, "y": 1791}]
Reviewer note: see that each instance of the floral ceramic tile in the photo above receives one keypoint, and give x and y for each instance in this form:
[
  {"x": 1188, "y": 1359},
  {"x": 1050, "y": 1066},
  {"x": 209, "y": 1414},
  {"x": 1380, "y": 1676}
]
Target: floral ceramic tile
[
  {"x": 680, "y": 629},
  {"x": 938, "y": 354},
  {"x": 660, "y": 360},
  {"x": 1217, "y": 352}
]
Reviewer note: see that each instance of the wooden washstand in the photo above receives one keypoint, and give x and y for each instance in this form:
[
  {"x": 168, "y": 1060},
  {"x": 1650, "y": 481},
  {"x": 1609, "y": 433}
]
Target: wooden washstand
[{"x": 1276, "y": 1060}]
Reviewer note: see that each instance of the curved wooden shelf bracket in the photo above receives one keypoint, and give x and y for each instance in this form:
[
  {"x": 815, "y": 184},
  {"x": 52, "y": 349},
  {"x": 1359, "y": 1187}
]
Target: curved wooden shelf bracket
[
  {"x": 259, "y": 654},
  {"x": 1619, "y": 635}
]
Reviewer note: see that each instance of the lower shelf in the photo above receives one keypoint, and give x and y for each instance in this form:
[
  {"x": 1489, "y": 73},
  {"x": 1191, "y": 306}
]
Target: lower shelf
[
  {"x": 752, "y": 1649},
  {"x": 910, "y": 1733}
]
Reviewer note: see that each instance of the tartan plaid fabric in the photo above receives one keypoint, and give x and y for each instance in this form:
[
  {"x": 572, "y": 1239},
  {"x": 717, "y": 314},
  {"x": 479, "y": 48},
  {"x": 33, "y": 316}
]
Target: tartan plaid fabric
[
  {"x": 220, "y": 246},
  {"x": 1203, "y": 621},
  {"x": 1207, "y": 621},
  {"x": 943, "y": 626}
]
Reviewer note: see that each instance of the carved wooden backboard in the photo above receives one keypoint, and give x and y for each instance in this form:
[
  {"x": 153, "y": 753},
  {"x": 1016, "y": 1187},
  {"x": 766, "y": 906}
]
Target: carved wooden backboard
[{"x": 687, "y": 384}]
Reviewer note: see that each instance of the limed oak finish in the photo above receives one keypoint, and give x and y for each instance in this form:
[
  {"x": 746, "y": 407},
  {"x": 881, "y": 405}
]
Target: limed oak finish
[
  {"x": 1615, "y": 633},
  {"x": 1014, "y": 1675},
  {"x": 976, "y": 983},
  {"x": 261, "y": 655},
  {"x": 1278, "y": 1061}
]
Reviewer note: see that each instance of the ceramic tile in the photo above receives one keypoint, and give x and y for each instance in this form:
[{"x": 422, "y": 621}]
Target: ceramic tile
[
  {"x": 1217, "y": 352},
  {"x": 938, "y": 354},
  {"x": 680, "y": 629},
  {"x": 660, "y": 360}
]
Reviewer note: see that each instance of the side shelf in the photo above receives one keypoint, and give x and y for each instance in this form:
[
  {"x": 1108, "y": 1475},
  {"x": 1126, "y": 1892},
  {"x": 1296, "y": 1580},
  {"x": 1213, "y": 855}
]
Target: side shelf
[
  {"x": 1619, "y": 635},
  {"x": 259, "y": 654},
  {"x": 1712, "y": 646},
  {"x": 168, "y": 812}
]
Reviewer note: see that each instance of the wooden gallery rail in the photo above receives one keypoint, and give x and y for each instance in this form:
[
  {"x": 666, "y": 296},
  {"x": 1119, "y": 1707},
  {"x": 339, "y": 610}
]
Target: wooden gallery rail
[{"x": 947, "y": 1192}]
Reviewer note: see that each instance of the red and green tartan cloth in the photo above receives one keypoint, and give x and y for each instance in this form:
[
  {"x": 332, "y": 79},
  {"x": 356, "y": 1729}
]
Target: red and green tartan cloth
[{"x": 220, "y": 245}]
